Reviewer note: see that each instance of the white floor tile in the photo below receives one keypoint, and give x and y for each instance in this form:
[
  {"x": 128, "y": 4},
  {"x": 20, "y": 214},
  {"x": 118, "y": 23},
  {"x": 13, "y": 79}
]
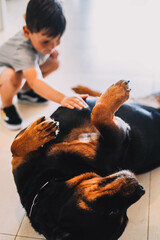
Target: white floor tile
[
  {"x": 6, "y": 237},
  {"x": 27, "y": 230},
  {"x": 11, "y": 212},
  {"x": 154, "y": 208},
  {"x": 138, "y": 214}
]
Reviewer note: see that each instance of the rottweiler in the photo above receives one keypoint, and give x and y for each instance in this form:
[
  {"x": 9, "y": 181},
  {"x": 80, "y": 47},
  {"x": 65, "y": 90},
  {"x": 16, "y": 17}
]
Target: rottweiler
[{"x": 74, "y": 171}]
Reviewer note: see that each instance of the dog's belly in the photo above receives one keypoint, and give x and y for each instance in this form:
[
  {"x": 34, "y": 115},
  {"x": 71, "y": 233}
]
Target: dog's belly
[
  {"x": 145, "y": 126},
  {"x": 145, "y": 133}
]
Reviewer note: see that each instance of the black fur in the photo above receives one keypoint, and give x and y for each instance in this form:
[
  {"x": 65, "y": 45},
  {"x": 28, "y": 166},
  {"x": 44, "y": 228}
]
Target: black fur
[{"x": 55, "y": 214}]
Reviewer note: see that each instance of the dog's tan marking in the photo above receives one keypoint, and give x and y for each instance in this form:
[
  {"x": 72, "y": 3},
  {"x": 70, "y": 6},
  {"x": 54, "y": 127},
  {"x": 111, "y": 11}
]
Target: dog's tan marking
[
  {"x": 77, "y": 132},
  {"x": 158, "y": 100},
  {"x": 85, "y": 90},
  {"x": 108, "y": 104},
  {"x": 91, "y": 190},
  {"x": 16, "y": 162},
  {"x": 76, "y": 180},
  {"x": 37, "y": 134},
  {"x": 85, "y": 149},
  {"x": 83, "y": 205}
]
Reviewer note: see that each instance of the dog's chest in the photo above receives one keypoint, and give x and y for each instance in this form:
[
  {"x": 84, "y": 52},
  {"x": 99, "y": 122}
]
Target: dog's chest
[
  {"x": 88, "y": 137},
  {"x": 83, "y": 141},
  {"x": 86, "y": 133}
]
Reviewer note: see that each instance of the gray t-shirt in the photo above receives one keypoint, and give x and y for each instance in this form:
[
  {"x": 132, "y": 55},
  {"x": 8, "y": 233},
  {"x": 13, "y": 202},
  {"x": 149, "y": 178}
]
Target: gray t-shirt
[{"x": 19, "y": 53}]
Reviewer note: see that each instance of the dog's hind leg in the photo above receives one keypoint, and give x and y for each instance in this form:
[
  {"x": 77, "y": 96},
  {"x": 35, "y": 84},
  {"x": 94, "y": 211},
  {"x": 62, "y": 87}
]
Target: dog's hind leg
[
  {"x": 85, "y": 90},
  {"x": 103, "y": 117},
  {"x": 40, "y": 132}
]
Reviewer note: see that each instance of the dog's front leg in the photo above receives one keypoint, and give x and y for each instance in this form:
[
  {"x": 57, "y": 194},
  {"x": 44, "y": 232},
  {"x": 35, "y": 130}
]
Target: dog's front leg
[
  {"x": 38, "y": 133},
  {"x": 112, "y": 128}
]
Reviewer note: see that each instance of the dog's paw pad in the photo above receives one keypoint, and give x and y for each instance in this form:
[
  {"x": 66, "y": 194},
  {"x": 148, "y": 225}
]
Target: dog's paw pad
[
  {"x": 122, "y": 87},
  {"x": 55, "y": 127},
  {"x": 127, "y": 86}
]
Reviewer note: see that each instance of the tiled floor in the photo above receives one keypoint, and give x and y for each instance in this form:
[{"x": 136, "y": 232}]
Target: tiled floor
[{"x": 104, "y": 41}]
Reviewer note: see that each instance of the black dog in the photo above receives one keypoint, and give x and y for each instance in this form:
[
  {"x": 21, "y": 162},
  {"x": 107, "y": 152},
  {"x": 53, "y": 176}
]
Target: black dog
[{"x": 72, "y": 184}]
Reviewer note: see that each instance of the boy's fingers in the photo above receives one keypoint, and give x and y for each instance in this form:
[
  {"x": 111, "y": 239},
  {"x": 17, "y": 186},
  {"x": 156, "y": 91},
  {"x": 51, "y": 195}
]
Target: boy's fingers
[
  {"x": 77, "y": 106},
  {"x": 74, "y": 102},
  {"x": 72, "y": 105},
  {"x": 81, "y": 103},
  {"x": 69, "y": 106}
]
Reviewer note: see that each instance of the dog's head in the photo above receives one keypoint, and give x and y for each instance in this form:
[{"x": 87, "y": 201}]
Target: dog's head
[{"x": 96, "y": 207}]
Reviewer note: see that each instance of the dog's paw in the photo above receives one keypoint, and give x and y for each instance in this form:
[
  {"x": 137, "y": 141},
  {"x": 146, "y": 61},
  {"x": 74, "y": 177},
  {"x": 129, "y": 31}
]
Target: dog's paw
[
  {"x": 120, "y": 89},
  {"x": 117, "y": 94},
  {"x": 48, "y": 127},
  {"x": 44, "y": 129},
  {"x": 123, "y": 84}
]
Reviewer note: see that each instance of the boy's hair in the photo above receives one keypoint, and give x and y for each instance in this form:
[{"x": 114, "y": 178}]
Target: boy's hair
[{"x": 46, "y": 15}]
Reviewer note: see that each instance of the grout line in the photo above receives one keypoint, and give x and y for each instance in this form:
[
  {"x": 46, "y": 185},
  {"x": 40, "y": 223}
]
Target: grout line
[
  {"x": 29, "y": 237},
  {"x": 20, "y": 226},
  {"x": 149, "y": 200},
  {"x": 7, "y": 234},
  {"x": 19, "y": 236},
  {"x": 10, "y": 234}
]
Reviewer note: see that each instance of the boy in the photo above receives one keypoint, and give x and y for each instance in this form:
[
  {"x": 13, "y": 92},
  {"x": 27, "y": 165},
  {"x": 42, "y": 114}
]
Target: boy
[{"x": 45, "y": 24}]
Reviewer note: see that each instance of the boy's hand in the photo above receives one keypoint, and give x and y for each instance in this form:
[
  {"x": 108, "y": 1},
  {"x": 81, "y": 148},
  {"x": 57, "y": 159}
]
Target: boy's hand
[{"x": 75, "y": 101}]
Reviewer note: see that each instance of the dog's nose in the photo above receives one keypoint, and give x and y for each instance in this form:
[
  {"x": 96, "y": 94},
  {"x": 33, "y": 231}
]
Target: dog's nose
[{"x": 141, "y": 190}]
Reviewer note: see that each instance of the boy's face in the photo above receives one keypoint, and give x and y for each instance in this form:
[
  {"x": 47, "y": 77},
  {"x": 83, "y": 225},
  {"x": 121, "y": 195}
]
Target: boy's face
[{"x": 41, "y": 42}]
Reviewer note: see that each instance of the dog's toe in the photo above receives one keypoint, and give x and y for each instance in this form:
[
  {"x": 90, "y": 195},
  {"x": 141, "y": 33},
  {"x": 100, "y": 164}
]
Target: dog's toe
[
  {"x": 126, "y": 86},
  {"x": 126, "y": 82}
]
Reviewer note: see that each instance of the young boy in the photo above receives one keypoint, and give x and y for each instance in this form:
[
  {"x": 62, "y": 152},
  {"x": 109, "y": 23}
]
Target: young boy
[{"x": 21, "y": 54}]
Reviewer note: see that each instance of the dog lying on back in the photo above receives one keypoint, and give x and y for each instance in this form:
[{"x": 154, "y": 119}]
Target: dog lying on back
[{"x": 69, "y": 170}]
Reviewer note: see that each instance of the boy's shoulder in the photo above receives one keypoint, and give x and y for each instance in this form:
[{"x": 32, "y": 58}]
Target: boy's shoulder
[
  {"x": 19, "y": 40},
  {"x": 18, "y": 52}
]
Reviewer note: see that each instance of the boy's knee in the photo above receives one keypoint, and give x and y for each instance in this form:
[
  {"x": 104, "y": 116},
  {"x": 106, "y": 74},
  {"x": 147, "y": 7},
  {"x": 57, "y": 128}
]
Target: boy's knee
[
  {"x": 53, "y": 63},
  {"x": 7, "y": 75},
  {"x": 15, "y": 78},
  {"x": 49, "y": 66}
]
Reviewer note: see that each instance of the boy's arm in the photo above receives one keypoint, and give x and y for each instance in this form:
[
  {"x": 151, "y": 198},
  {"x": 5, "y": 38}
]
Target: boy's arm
[{"x": 49, "y": 93}]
